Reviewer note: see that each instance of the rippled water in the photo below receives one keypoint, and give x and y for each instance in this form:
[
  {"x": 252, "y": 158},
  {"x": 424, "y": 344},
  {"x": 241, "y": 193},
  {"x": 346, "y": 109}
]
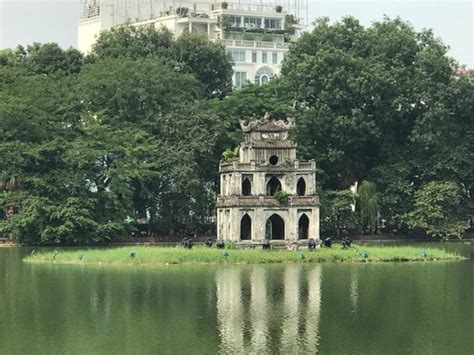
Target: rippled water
[{"x": 393, "y": 308}]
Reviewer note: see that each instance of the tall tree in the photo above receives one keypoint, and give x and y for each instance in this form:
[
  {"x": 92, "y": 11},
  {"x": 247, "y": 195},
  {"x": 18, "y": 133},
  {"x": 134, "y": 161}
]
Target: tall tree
[
  {"x": 169, "y": 106},
  {"x": 44, "y": 59},
  {"x": 438, "y": 210},
  {"x": 190, "y": 53},
  {"x": 362, "y": 90}
]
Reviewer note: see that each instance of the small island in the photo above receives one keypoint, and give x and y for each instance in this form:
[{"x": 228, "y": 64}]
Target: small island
[{"x": 152, "y": 256}]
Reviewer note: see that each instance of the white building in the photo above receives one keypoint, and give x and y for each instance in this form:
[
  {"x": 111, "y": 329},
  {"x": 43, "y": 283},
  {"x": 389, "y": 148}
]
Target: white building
[{"x": 256, "y": 34}]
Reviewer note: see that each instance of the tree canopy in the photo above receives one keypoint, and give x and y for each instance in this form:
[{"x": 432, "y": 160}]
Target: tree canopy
[
  {"x": 190, "y": 53},
  {"x": 135, "y": 131}
]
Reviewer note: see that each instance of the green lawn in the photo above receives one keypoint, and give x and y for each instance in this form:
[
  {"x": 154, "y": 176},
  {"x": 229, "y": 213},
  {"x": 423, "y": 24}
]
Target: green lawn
[{"x": 157, "y": 256}]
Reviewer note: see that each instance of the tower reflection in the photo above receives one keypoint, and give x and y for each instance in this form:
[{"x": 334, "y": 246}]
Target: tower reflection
[
  {"x": 313, "y": 312},
  {"x": 289, "y": 328},
  {"x": 230, "y": 310},
  {"x": 282, "y": 312},
  {"x": 259, "y": 310},
  {"x": 354, "y": 291}
]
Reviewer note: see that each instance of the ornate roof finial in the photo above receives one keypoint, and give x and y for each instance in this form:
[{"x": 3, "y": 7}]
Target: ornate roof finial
[{"x": 266, "y": 124}]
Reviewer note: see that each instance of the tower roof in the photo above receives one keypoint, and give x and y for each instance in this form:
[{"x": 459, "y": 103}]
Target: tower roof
[{"x": 266, "y": 125}]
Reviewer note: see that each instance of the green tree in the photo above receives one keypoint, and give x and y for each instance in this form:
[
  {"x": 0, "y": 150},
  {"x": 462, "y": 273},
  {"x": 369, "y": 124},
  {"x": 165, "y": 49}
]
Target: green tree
[
  {"x": 46, "y": 58},
  {"x": 81, "y": 152},
  {"x": 208, "y": 62},
  {"x": 252, "y": 102},
  {"x": 368, "y": 205},
  {"x": 362, "y": 91},
  {"x": 169, "y": 106},
  {"x": 337, "y": 214},
  {"x": 133, "y": 42},
  {"x": 438, "y": 210},
  {"x": 189, "y": 53}
]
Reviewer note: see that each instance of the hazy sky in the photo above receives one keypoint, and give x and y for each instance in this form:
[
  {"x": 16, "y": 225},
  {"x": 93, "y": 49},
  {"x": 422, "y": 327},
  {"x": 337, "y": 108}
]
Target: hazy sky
[{"x": 26, "y": 21}]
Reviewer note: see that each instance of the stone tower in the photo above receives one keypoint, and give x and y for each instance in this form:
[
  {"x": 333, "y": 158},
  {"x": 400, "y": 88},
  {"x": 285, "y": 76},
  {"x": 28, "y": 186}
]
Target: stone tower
[{"x": 267, "y": 193}]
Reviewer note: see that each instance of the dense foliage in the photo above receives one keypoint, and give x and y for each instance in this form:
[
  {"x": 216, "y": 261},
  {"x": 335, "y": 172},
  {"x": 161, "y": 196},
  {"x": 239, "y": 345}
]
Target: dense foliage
[
  {"x": 135, "y": 130},
  {"x": 83, "y": 149},
  {"x": 380, "y": 104}
]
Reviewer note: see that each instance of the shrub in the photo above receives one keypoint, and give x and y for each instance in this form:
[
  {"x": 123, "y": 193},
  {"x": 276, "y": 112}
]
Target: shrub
[{"x": 281, "y": 197}]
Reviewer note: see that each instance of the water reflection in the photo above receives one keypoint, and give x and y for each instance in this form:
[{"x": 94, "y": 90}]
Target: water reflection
[
  {"x": 283, "y": 311},
  {"x": 313, "y": 312},
  {"x": 229, "y": 309},
  {"x": 259, "y": 310},
  {"x": 391, "y": 307},
  {"x": 354, "y": 290},
  {"x": 289, "y": 336}
]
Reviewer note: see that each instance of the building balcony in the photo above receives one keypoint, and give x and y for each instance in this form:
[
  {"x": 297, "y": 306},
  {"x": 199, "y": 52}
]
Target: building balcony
[
  {"x": 298, "y": 166},
  {"x": 265, "y": 201},
  {"x": 260, "y": 9},
  {"x": 253, "y": 44}
]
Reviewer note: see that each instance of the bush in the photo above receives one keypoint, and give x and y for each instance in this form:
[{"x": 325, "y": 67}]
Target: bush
[{"x": 281, "y": 197}]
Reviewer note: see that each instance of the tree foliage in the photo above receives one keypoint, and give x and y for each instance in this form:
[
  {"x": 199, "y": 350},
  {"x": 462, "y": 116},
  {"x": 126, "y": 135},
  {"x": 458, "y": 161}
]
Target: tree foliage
[
  {"x": 438, "y": 210},
  {"x": 137, "y": 129},
  {"x": 190, "y": 53},
  {"x": 368, "y": 205},
  {"x": 337, "y": 214},
  {"x": 120, "y": 137}
]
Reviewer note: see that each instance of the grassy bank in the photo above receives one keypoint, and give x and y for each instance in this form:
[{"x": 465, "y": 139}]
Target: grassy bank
[{"x": 158, "y": 256}]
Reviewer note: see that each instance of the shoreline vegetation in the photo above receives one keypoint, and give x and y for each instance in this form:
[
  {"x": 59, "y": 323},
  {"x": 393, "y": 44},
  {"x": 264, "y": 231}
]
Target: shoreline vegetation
[{"x": 152, "y": 256}]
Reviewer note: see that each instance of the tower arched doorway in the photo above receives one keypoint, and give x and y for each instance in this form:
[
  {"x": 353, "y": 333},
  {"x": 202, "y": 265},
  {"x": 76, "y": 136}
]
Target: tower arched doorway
[
  {"x": 301, "y": 187},
  {"x": 303, "y": 227},
  {"x": 273, "y": 186},
  {"x": 275, "y": 227},
  {"x": 246, "y": 227}
]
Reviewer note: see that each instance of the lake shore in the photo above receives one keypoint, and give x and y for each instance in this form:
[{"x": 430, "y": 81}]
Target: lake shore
[{"x": 158, "y": 256}]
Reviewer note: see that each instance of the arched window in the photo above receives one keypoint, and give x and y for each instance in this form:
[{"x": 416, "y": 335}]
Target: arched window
[
  {"x": 246, "y": 187},
  {"x": 301, "y": 187},
  {"x": 246, "y": 227},
  {"x": 263, "y": 75},
  {"x": 303, "y": 226},
  {"x": 273, "y": 186},
  {"x": 275, "y": 227}
]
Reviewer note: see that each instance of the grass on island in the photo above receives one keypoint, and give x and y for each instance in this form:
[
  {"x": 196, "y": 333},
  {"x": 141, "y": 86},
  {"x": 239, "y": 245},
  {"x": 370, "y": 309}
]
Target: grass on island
[{"x": 158, "y": 256}]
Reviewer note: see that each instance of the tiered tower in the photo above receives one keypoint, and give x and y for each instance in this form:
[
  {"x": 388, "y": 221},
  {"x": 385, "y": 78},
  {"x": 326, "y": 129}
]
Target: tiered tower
[{"x": 267, "y": 193}]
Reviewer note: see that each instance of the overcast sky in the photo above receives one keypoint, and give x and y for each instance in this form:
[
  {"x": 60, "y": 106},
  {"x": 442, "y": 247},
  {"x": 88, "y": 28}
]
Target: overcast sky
[{"x": 27, "y": 21}]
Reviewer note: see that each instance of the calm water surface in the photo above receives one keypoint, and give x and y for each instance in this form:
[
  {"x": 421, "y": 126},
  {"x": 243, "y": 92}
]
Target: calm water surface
[{"x": 393, "y": 308}]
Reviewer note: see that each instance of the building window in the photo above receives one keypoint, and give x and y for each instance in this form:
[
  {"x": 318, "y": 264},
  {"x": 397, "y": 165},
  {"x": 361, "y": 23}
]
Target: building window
[
  {"x": 252, "y": 22},
  {"x": 240, "y": 79},
  {"x": 301, "y": 187},
  {"x": 235, "y": 20},
  {"x": 272, "y": 23},
  {"x": 263, "y": 75},
  {"x": 273, "y": 186},
  {"x": 275, "y": 58},
  {"x": 246, "y": 187},
  {"x": 254, "y": 57},
  {"x": 238, "y": 55},
  {"x": 264, "y": 57}
]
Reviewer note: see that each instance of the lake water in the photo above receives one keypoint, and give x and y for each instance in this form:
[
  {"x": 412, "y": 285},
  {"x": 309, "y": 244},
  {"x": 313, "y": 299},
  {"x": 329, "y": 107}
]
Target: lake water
[{"x": 392, "y": 308}]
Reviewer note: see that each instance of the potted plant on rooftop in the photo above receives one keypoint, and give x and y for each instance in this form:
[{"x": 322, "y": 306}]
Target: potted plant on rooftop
[
  {"x": 278, "y": 8},
  {"x": 224, "y": 5}
]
